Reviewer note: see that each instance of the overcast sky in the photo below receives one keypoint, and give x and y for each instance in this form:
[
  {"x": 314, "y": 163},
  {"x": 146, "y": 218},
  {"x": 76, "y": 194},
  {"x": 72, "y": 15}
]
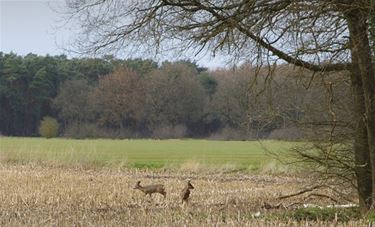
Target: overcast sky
[{"x": 32, "y": 26}]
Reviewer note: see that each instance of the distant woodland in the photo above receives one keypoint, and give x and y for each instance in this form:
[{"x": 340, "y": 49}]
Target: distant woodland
[{"x": 139, "y": 98}]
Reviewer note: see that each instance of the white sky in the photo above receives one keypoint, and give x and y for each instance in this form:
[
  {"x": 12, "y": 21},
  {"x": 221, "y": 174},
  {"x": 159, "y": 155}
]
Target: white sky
[{"x": 32, "y": 26}]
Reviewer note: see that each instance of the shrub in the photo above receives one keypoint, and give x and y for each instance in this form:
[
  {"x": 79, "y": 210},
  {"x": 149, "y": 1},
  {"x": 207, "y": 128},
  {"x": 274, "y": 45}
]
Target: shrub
[
  {"x": 292, "y": 133},
  {"x": 81, "y": 131},
  {"x": 229, "y": 133},
  {"x": 92, "y": 130},
  {"x": 371, "y": 216},
  {"x": 170, "y": 132},
  {"x": 49, "y": 127}
]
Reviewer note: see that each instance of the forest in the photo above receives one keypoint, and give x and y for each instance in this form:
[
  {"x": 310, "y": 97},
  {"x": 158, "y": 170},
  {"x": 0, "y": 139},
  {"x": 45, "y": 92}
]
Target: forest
[{"x": 140, "y": 98}]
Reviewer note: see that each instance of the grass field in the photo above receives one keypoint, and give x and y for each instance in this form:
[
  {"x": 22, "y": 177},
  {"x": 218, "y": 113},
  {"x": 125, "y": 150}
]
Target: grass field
[{"x": 141, "y": 153}]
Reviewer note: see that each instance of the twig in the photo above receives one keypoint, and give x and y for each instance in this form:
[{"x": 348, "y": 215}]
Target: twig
[
  {"x": 342, "y": 195},
  {"x": 323, "y": 195},
  {"x": 301, "y": 192}
]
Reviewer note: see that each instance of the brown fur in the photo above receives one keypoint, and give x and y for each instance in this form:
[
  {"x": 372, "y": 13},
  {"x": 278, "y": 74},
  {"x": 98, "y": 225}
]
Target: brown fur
[{"x": 150, "y": 189}]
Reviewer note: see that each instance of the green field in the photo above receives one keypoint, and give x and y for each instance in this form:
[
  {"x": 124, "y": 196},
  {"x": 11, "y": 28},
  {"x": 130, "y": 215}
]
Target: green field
[{"x": 141, "y": 152}]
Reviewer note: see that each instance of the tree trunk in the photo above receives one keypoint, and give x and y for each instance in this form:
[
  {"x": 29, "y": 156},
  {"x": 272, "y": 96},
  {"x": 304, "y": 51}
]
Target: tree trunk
[
  {"x": 361, "y": 50},
  {"x": 361, "y": 149}
]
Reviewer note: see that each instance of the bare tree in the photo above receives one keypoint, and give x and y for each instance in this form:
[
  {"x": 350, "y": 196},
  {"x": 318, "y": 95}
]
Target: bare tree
[
  {"x": 119, "y": 99},
  {"x": 174, "y": 97},
  {"x": 319, "y": 35},
  {"x": 73, "y": 102}
]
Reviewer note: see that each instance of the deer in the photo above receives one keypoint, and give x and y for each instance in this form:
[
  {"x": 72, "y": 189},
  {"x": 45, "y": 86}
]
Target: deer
[
  {"x": 185, "y": 193},
  {"x": 150, "y": 189}
]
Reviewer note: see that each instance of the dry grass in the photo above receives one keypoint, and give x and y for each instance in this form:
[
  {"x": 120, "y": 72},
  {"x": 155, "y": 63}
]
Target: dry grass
[{"x": 33, "y": 195}]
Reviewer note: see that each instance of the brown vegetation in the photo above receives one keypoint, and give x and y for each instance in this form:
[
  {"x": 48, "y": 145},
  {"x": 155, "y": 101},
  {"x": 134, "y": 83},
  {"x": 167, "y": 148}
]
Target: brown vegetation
[{"x": 54, "y": 196}]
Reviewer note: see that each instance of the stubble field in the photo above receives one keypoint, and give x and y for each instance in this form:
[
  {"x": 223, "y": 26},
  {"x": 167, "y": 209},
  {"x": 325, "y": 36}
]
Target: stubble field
[
  {"x": 53, "y": 192},
  {"x": 50, "y": 196}
]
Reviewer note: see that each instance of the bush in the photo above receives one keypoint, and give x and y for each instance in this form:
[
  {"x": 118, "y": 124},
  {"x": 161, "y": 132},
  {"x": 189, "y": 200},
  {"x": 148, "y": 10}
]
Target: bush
[
  {"x": 170, "y": 132},
  {"x": 229, "y": 133},
  {"x": 49, "y": 127},
  {"x": 371, "y": 216},
  {"x": 292, "y": 133},
  {"x": 92, "y": 130},
  {"x": 81, "y": 131}
]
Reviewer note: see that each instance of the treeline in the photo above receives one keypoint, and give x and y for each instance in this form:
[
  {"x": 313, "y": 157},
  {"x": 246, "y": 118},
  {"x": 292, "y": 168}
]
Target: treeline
[{"x": 130, "y": 98}]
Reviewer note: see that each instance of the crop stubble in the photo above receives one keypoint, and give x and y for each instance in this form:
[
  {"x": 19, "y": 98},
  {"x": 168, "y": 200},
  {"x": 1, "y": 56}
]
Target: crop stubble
[{"x": 33, "y": 195}]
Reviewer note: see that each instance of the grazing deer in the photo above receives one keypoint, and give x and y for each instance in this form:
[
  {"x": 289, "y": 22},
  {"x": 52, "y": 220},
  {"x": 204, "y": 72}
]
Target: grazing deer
[
  {"x": 149, "y": 189},
  {"x": 185, "y": 193}
]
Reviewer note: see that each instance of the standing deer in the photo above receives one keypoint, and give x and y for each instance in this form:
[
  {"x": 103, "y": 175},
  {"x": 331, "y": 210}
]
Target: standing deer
[
  {"x": 185, "y": 193},
  {"x": 150, "y": 189}
]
